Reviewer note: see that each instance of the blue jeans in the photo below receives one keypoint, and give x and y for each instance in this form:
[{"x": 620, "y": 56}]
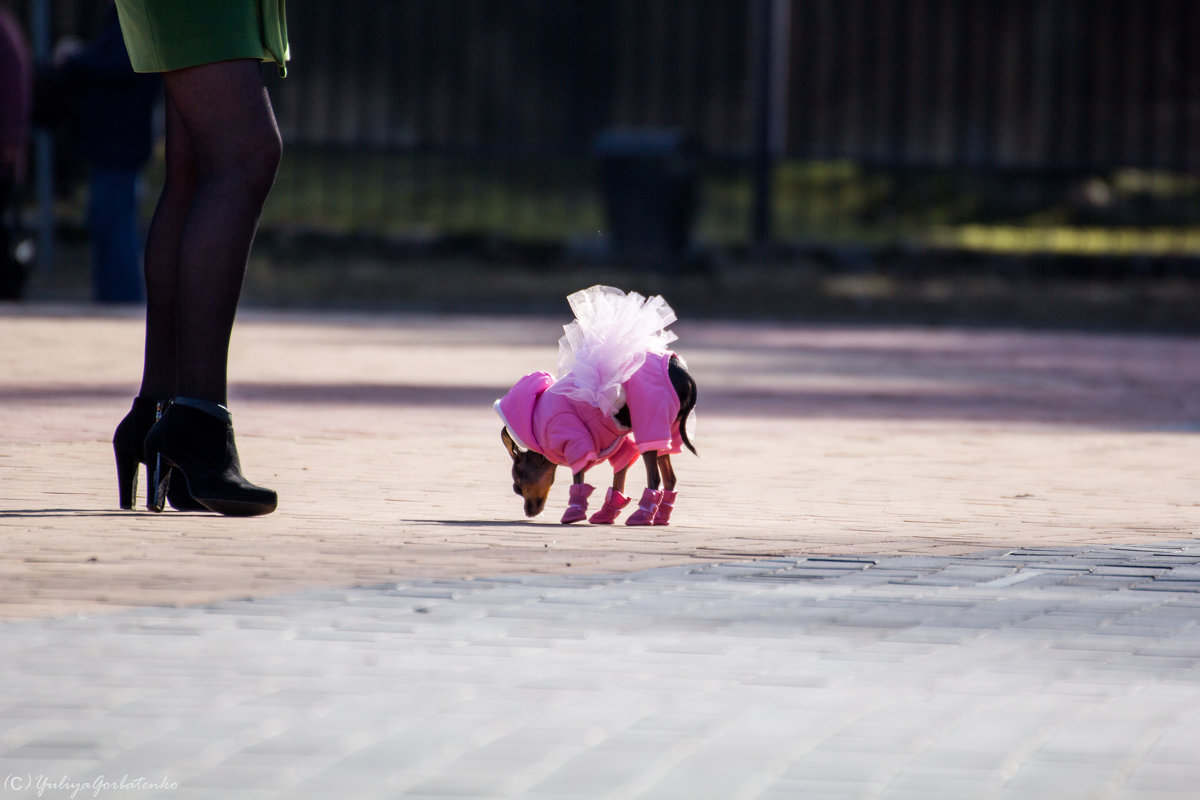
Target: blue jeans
[{"x": 116, "y": 244}]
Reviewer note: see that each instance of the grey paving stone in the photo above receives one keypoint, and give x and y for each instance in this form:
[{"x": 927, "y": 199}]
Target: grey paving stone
[{"x": 1000, "y": 675}]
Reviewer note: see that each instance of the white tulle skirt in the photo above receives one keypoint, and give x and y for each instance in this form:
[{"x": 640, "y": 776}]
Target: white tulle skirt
[{"x": 608, "y": 342}]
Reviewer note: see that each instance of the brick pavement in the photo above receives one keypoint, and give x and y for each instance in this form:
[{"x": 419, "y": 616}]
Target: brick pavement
[
  {"x": 378, "y": 433},
  {"x": 1041, "y": 673},
  {"x": 908, "y": 563}
]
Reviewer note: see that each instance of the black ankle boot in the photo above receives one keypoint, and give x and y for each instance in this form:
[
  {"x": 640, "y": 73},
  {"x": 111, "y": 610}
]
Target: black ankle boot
[
  {"x": 129, "y": 446},
  {"x": 194, "y": 438}
]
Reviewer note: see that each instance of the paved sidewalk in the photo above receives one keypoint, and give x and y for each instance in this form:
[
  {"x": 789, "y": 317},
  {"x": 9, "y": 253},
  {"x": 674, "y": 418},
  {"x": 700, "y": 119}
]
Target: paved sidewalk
[
  {"x": 1030, "y": 674},
  {"x": 908, "y": 563},
  {"x": 378, "y": 433}
]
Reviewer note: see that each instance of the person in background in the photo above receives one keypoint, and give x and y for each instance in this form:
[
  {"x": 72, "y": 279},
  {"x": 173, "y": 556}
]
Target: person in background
[
  {"x": 115, "y": 109},
  {"x": 16, "y": 108}
]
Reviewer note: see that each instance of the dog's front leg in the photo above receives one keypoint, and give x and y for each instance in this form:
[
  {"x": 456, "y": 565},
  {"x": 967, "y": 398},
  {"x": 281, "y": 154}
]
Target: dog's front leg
[
  {"x": 619, "y": 479},
  {"x": 614, "y": 501}
]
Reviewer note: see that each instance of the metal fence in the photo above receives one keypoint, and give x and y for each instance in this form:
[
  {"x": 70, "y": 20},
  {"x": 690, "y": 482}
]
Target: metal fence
[
  {"x": 1017, "y": 84},
  {"x": 1036, "y": 124}
]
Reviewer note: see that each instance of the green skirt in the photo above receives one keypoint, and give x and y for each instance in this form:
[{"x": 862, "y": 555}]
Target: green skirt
[{"x": 164, "y": 35}]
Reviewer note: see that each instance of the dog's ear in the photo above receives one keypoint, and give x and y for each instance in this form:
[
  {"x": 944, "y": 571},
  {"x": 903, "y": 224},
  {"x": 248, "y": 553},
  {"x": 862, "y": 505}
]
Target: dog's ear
[{"x": 513, "y": 450}]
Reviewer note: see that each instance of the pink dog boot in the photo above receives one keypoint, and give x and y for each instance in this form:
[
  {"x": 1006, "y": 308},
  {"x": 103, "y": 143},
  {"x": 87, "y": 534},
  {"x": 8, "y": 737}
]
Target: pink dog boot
[
  {"x": 663, "y": 515},
  {"x": 646, "y": 508},
  {"x": 577, "y": 507},
  {"x": 614, "y": 501}
]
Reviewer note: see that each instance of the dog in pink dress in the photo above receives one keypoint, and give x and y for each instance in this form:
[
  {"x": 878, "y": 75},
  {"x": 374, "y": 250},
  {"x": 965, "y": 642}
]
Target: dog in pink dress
[{"x": 621, "y": 393}]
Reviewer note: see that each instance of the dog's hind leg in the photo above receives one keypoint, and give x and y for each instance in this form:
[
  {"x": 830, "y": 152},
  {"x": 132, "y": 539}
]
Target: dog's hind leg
[
  {"x": 653, "y": 477},
  {"x": 668, "y": 474},
  {"x": 666, "y": 503},
  {"x": 652, "y": 496}
]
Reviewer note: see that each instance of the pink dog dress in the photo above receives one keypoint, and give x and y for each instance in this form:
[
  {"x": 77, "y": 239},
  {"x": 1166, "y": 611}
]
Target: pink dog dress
[
  {"x": 568, "y": 432},
  {"x": 541, "y": 416},
  {"x": 614, "y": 353}
]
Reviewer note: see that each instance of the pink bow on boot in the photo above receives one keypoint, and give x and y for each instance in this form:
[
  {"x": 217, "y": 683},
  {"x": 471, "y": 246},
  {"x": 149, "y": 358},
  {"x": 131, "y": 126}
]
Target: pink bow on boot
[
  {"x": 646, "y": 508},
  {"x": 614, "y": 501},
  {"x": 577, "y": 505}
]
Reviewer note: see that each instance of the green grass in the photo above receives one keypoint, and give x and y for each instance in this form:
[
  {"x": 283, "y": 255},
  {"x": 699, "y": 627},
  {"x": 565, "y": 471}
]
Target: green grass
[
  {"x": 524, "y": 198},
  {"x": 555, "y": 199}
]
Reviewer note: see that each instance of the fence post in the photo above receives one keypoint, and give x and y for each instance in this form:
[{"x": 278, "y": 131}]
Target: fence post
[
  {"x": 770, "y": 22},
  {"x": 43, "y": 143}
]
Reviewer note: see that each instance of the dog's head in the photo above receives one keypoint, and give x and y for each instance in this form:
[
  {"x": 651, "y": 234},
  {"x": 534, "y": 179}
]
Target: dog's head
[{"x": 533, "y": 475}]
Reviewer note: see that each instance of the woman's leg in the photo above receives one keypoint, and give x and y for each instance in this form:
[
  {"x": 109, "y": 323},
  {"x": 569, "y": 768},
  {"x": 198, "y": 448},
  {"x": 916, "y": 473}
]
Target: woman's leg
[
  {"x": 162, "y": 259},
  {"x": 234, "y": 144}
]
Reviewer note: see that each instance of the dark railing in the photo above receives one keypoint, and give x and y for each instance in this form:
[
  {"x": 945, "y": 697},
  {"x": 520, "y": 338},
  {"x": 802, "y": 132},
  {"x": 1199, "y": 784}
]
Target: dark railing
[
  {"x": 1018, "y": 84},
  {"x": 1035, "y": 124}
]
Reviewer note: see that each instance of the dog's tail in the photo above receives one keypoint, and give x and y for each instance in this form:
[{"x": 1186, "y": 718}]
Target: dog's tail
[{"x": 685, "y": 386}]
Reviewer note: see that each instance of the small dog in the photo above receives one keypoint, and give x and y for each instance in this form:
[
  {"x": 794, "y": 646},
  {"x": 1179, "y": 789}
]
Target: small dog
[{"x": 549, "y": 423}]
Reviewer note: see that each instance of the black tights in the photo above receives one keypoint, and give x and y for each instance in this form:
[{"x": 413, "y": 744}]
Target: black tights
[{"x": 222, "y": 151}]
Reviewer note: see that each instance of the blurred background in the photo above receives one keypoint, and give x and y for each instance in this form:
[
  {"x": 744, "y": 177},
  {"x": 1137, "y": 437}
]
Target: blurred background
[{"x": 935, "y": 161}]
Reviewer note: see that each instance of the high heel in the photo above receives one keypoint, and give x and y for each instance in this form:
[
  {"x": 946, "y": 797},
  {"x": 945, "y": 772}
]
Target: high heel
[
  {"x": 194, "y": 440},
  {"x": 128, "y": 446}
]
